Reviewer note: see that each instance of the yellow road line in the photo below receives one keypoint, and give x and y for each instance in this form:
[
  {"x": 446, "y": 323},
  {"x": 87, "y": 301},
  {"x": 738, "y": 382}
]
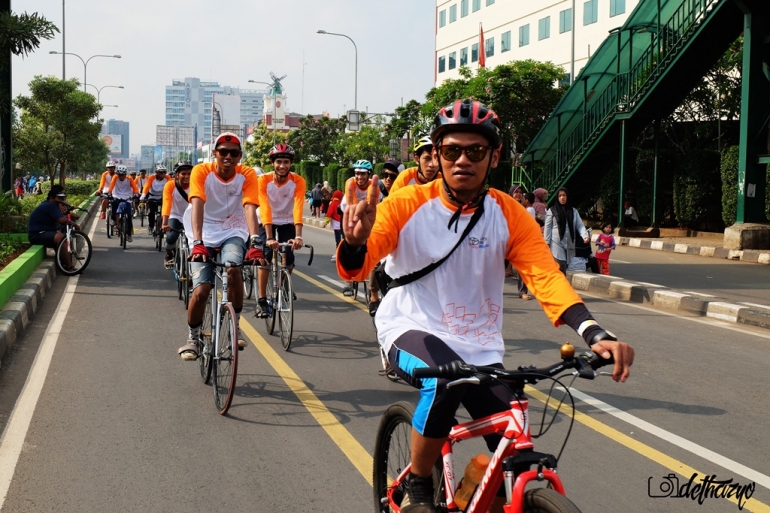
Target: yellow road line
[
  {"x": 347, "y": 443},
  {"x": 666, "y": 461},
  {"x": 361, "y": 459}
]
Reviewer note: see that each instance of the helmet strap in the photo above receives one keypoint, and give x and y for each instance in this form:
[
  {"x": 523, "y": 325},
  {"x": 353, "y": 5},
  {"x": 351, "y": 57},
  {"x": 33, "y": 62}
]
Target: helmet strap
[{"x": 474, "y": 202}]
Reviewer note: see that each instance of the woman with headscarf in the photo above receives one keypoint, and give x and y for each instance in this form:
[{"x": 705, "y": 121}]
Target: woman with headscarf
[
  {"x": 562, "y": 225},
  {"x": 540, "y": 206},
  {"x": 327, "y": 192}
]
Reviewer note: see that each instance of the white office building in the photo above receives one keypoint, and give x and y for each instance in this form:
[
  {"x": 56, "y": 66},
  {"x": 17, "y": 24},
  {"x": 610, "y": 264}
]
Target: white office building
[
  {"x": 189, "y": 102},
  {"x": 517, "y": 30}
]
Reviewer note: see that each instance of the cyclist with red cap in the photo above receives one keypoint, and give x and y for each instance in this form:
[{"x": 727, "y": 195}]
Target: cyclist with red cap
[
  {"x": 446, "y": 300},
  {"x": 222, "y": 215},
  {"x": 281, "y": 202}
]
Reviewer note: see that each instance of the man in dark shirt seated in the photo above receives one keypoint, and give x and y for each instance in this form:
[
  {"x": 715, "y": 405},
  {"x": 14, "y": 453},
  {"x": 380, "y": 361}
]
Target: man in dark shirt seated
[{"x": 47, "y": 218}]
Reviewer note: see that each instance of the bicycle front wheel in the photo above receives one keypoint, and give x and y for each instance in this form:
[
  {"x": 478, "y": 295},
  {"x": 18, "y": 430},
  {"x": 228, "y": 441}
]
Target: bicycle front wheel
[
  {"x": 225, "y": 360},
  {"x": 159, "y": 239},
  {"x": 124, "y": 230},
  {"x": 248, "y": 280},
  {"x": 272, "y": 300},
  {"x": 79, "y": 253},
  {"x": 285, "y": 309},
  {"x": 141, "y": 214},
  {"x": 545, "y": 500},
  {"x": 204, "y": 351},
  {"x": 186, "y": 283},
  {"x": 108, "y": 219},
  {"x": 392, "y": 454}
]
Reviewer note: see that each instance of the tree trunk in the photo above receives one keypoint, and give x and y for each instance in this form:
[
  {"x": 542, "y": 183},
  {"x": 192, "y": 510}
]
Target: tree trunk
[{"x": 62, "y": 173}]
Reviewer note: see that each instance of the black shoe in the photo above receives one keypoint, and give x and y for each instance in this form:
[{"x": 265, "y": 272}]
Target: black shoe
[
  {"x": 262, "y": 308},
  {"x": 348, "y": 292},
  {"x": 373, "y": 308},
  {"x": 419, "y": 495}
]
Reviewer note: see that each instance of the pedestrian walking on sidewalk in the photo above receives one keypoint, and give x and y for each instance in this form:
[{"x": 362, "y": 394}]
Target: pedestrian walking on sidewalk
[
  {"x": 540, "y": 207},
  {"x": 316, "y": 198},
  {"x": 562, "y": 225},
  {"x": 604, "y": 246}
]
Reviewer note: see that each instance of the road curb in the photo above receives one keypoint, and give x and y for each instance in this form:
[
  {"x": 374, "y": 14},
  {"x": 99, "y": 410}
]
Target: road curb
[
  {"x": 671, "y": 300},
  {"x": 22, "y": 306},
  {"x": 747, "y": 255},
  {"x": 314, "y": 221}
]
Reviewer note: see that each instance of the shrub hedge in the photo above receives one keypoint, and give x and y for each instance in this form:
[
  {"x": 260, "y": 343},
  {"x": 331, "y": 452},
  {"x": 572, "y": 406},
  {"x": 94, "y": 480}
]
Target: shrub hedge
[
  {"x": 697, "y": 188},
  {"x": 729, "y": 185}
]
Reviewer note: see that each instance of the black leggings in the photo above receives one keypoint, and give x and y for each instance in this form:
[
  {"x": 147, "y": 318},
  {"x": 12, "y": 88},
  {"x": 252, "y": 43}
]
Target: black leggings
[{"x": 154, "y": 207}]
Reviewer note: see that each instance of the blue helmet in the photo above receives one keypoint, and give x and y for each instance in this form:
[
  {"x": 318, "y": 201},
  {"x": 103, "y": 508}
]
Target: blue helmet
[{"x": 363, "y": 165}]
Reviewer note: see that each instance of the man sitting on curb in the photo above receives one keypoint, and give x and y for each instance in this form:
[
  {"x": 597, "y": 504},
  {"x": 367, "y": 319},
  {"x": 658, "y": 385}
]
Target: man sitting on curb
[{"x": 45, "y": 221}]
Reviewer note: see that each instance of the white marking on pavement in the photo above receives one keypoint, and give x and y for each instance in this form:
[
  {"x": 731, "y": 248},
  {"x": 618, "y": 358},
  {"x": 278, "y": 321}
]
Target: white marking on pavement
[
  {"x": 698, "y": 293},
  {"x": 677, "y": 440},
  {"x": 649, "y": 284},
  {"x": 764, "y": 307},
  {"x": 340, "y": 284},
  {"x": 616, "y": 261}
]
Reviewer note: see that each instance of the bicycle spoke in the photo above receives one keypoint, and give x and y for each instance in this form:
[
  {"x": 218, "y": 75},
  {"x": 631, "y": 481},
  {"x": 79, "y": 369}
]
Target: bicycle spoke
[{"x": 225, "y": 360}]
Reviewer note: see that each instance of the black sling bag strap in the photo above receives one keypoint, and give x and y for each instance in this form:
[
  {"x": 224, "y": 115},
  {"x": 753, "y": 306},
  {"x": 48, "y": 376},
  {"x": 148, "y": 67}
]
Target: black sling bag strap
[
  {"x": 181, "y": 191},
  {"x": 409, "y": 278}
]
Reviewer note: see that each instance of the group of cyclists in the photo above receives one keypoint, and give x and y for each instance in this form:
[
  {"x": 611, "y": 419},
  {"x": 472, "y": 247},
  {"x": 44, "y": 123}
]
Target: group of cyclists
[{"x": 440, "y": 234}]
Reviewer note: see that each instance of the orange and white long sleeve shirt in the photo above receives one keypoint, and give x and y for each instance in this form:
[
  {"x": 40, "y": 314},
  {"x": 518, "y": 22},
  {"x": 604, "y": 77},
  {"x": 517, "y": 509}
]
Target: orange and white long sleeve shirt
[
  {"x": 104, "y": 183},
  {"x": 174, "y": 204},
  {"x": 223, "y": 213},
  {"x": 404, "y": 178},
  {"x": 153, "y": 189},
  {"x": 281, "y": 204},
  {"x": 123, "y": 189},
  {"x": 460, "y": 302}
]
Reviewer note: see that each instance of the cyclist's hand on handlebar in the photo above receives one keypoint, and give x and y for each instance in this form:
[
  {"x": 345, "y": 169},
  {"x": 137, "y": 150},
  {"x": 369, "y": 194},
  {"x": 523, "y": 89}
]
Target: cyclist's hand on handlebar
[
  {"x": 256, "y": 255},
  {"x": 272, "y": 244},
  {"x": 199, "y": 253},
  {"x": 296, "y": 244},
  {"x": 621, "y": 352},
  {"x": 165, "y": 227},
  {"x": 358, "y": 219}
]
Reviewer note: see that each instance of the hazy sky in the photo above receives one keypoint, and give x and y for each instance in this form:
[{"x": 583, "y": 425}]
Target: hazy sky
[{"x": 234, "y": 41}]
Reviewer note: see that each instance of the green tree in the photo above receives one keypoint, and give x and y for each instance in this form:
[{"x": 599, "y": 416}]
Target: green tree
[
  {"x": 317, "y": 138},
  {"x": 257, "y": 151},
  {"x": 57, "y": 126},
  {"x": 407, "y": 119},
  {"x": 370, "y": 143}
]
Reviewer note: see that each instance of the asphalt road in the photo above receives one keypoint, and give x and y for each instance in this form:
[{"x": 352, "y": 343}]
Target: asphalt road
[
  {"x": 122, "y": 424},
  {"x": 739, "y": 281}
]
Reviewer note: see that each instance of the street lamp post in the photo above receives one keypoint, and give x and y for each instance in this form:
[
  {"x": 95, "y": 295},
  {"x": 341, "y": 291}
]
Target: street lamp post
[
  {"x": 355, "y": 103},
  {"x": 274, "y": 98},
  {"x": 99, "y": 90},
  {"x": 85, "y": 62}
]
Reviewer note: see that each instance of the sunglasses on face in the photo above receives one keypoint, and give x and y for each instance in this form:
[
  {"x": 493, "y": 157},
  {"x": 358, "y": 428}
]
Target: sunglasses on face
[
  {"x": 389, "y": 176},
  {"x": 475, "y": 153},
  {"x": 224, "y": 153}
]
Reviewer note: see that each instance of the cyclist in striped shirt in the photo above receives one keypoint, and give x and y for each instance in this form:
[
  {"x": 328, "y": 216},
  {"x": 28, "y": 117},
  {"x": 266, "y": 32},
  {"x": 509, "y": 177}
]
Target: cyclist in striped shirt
[{"x": 454, "y": 311}]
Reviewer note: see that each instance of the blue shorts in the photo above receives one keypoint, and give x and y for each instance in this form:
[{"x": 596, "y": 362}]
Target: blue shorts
[
  {"x": 172, "y": 236},
  {"x": 232, "y": 250}
]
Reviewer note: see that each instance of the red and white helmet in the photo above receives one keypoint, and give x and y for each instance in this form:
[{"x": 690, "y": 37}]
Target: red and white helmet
[{"x": 281, "y": 151}]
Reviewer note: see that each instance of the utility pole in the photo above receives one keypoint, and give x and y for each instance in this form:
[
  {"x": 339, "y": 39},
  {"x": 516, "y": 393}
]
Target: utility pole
[
  {"x": 63, "y": 48},
  {"x": 5, "y": 119}
]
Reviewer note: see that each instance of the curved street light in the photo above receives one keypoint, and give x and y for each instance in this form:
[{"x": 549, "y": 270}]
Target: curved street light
[
  {"x": 355, "y": 104},
  {"x": 85, "y": 62},
  {"x": 99, "y": 90}
]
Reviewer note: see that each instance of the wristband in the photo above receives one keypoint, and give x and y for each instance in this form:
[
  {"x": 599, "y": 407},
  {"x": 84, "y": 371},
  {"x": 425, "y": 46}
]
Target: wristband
[
  {"x": 197, "y": 242},
  {"x": 268, "y": 240},
  {"x": 298, "y": 237},
  {"x": 602, "y": 335}
]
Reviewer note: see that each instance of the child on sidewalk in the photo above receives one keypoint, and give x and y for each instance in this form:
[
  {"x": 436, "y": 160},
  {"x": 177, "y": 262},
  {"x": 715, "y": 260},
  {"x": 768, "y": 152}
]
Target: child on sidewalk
[
  {"x": 334, "y": 216},
  {"x": 605, "y": 244}
]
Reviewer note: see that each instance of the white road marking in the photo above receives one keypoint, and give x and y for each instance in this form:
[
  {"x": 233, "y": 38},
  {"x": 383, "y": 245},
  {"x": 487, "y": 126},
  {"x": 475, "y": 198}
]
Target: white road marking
[
  {"x": 677, "y": 440},
  {"x": 334, "y": 282},
  {"x": 16, "y": 430},
  {"x": 616, "y": 261},
  {"x": 698, "y": 293},
  {"x": 764, "y": 307},
  {"x": 650, "y": 284}
]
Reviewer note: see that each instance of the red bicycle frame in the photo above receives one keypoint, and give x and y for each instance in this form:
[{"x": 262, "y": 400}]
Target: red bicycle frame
[{"x": 513, "y": 425}]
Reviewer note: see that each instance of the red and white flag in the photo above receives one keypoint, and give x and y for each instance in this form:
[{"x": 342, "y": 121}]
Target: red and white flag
[{"x": 482, "y": 50}]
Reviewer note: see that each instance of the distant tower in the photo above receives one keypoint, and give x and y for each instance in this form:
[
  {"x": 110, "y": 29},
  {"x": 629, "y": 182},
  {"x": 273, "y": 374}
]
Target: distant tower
[{"x": 275, "y": 93}]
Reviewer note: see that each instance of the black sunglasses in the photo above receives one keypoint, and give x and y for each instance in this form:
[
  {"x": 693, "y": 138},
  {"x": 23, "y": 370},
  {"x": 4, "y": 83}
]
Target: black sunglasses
[
  {"x": 475, "y": 153},
  {"x": 224, "y": 153},
  {"x": 389, "y": 176}
]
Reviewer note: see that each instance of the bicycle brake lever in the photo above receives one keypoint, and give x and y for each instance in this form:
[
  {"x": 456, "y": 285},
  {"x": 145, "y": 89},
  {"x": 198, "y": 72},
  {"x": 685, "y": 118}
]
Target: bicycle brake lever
[{"x": 472, "y": 380}]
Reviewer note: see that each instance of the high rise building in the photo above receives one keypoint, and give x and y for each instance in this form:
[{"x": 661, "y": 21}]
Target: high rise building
[
  {"x": 119, "y": 145},
  {"x": 515, "y": 31},
  {"x": 190, "y": 102}
]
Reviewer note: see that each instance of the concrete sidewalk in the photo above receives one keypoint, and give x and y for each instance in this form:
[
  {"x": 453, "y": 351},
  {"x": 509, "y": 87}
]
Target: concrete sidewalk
[{"x": 705, "y": 247}]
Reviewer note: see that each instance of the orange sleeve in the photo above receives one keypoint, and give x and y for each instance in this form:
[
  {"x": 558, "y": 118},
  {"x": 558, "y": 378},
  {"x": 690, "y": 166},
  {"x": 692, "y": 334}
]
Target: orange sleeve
[
  {"x": 300, "y": 189},
  {"x": 112, "y": 184},
  {"x": 530, "y": 255},
  {"x": 250, "y": 186},
  {"x": 133, "y": 186},
  {"x": 265, "y": 213},
  {"x": 104, "y": 179},
  {"x": 402, "y": 179},
  {"x": 198, "y": 182},
  {"x": 168, "y": 191},
  {"x": 148, "y": 185}
]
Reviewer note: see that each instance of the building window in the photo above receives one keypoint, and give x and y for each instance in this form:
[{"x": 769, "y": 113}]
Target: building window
[
  {"x": 441, "y": 64},
  {"x": 565, "y": 21},
  {"x": 543, "y": 28},
  {"x": 505, "y": 42},
  {"x": 452, "y": 60},
  {"x": 476, "y": 5},
  {"x": 442, "y": 18},
  {"x": 590, "y": 12},
  {"x": 453, "y": 13},
  {"x": 489, "y": 47},
  {"x": 463, "y": 8},
  {"x": 617, "y": 7},
  {"x": 474, "y": 52},
  {"x": 524, "y": 35},
  {"x": 490, "y": 2},
  {"x": 464, "y": 56}
]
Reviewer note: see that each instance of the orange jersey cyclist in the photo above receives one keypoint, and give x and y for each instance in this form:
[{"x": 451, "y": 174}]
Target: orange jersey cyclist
[
  {"x": 426, "y": 170},
  {"x": 153, "y": 194},
  {"x": 453, "y": 311},
  {"x": 175, "y": 201},
  {"x": 222, "y": 215},
  {"x": 281, "y": 200},
  {"x": 121, "y": 189},
  {"x": 104, "y": 185}
]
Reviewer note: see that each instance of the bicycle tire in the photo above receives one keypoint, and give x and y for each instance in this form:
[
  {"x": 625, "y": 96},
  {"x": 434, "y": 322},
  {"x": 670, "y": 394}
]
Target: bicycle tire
[
  {"x": 107, "y": 219},
  {"x": 546, "y": 500},
  {"x": 159, "y": 239},
  {"x": 140, "y": 208},
  {"x": 226, "y": 360},
  {"x": 248, "y": 280},
  {"x": 392, "y": 453},
  {"x": 272, "y": 299},
  {"x": 187, "y": 283},
  {"x": 204, "y": 351},
  {"x": 124, "y": 230},
  {"x": 178, "y": 273},
  {"x": 80, "y": 253},
  {"x": 286, "y": 309}
]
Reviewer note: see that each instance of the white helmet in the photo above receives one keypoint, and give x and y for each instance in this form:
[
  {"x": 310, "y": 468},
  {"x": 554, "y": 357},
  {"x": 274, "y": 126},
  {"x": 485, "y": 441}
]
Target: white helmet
[
  {"x": 110, "y": 164},
  {"x": 122, "y": 170},
  {"x": 160, "y": 167}
]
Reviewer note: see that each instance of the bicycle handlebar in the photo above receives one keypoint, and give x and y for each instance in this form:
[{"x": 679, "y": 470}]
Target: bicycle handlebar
[
  {"x": 283, "y": 245},
  {"x": 585, "y": 365}
]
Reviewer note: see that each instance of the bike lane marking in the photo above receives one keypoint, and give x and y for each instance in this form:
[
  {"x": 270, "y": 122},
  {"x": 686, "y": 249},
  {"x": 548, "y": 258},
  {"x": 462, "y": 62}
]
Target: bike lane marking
[
  {"x": 645, "y": 450},
  {"x": 347, "y": 443},
  {"x": 15, "y": 432}
]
